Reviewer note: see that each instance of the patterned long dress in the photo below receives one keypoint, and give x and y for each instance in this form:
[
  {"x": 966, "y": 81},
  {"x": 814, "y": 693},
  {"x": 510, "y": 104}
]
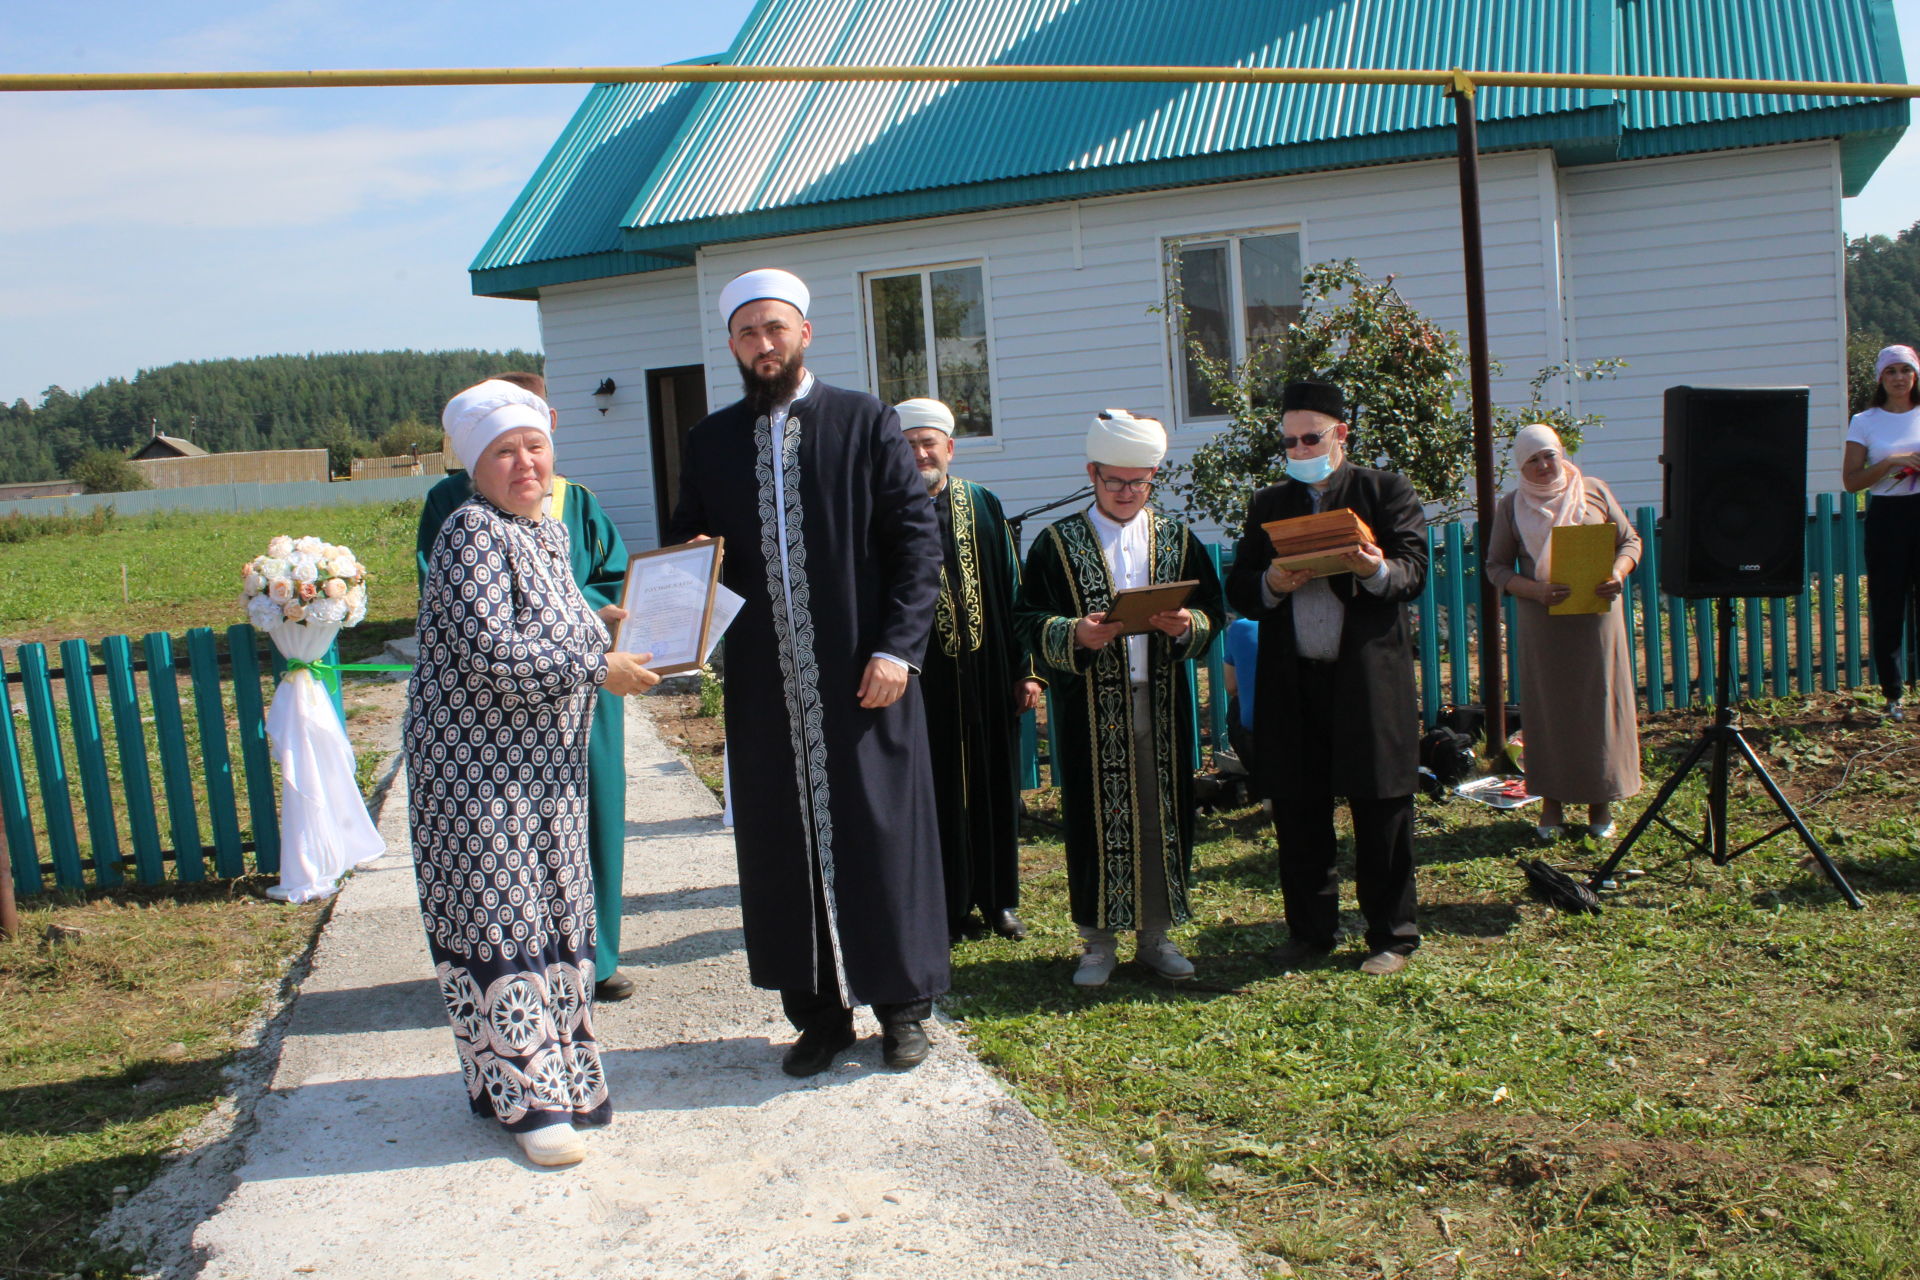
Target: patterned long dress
[{"x": 511, "y": 657}]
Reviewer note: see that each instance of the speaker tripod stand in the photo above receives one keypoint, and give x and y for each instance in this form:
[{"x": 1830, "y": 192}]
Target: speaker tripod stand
[{"x": 1718, "y": 742}]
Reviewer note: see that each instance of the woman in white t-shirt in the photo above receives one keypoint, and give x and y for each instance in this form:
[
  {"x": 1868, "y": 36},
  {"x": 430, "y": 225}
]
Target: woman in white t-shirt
[{"x": 1883, "y": 457}]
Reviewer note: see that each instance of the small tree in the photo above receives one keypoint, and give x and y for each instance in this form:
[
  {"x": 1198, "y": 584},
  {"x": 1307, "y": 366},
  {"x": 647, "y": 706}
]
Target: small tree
[
  {"x": 101, "y": 471},
  {"x": 406, "y": 435},
  {"x": 343, "y": 444},
  {"x": 1406, "y": 383}
]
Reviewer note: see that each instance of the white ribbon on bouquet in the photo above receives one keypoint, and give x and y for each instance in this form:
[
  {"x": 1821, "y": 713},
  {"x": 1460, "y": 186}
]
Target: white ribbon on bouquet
[{"x": 325, "y": 831}]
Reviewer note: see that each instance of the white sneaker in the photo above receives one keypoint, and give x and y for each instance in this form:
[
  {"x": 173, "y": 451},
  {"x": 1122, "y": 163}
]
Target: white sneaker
[
  {"x": 553, "y": 1144},
  {"x": 1893, "y": 711},
  {"x": 1163, "y": 958},
  {"x": 1096, "y": 965}
]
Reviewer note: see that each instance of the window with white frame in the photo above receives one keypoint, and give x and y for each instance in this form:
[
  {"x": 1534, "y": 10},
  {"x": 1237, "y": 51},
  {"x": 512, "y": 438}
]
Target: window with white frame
[
  {"x": 1239, "y": 292},
  {"x": 927, "y": 330}
]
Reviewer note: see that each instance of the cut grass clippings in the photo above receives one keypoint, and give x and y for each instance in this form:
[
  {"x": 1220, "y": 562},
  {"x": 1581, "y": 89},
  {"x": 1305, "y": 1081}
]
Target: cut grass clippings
[
  {"x": 119, "y": 1029},
  {"x": 1717, "y": 1077}
]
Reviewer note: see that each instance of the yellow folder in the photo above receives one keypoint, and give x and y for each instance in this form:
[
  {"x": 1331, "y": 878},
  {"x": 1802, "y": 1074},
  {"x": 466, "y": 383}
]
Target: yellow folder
[{"x": 1582, "y": 559}]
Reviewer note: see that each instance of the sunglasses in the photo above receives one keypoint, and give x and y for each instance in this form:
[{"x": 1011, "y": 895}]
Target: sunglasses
[{"x": 1311, "y": 439}]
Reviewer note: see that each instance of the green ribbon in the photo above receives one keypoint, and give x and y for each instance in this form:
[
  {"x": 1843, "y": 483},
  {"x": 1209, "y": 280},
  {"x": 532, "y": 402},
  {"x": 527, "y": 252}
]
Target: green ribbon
[{"x": 326, "y": 669}]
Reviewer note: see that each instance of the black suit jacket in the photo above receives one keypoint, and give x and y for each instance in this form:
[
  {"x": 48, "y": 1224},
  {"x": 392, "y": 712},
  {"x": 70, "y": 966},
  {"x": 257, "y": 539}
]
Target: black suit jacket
[{"x": 1375, "y": 738}]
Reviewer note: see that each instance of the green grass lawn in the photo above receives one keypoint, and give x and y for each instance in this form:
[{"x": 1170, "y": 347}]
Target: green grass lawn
[{"x": 1718, "y": 1076}]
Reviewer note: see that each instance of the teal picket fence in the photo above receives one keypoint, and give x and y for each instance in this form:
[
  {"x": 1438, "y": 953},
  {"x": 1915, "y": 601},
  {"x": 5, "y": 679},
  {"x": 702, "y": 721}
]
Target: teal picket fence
[
  {"x": 153, "y": 768},
  {"x": 1816, "y": 641}
]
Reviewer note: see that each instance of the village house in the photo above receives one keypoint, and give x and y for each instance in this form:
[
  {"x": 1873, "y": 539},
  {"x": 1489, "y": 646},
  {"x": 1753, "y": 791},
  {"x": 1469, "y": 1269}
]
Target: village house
[{"x": 1009, "y": 248}]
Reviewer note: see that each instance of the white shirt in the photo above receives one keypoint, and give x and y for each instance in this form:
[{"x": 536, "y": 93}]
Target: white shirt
[
  {"x": 777, "y": 429},
  {"x": 1885, "y": 434},
  {"x": 1125, "y": 548}
]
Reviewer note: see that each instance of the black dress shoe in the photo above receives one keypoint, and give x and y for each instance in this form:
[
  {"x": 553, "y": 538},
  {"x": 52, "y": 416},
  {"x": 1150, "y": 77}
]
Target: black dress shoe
[
  {"x": 903, "y": 1045},
  {"x": 816, "y": 1049},
  {"x": 615, "y": 986},
  {"x": 1008, "y": 925}
]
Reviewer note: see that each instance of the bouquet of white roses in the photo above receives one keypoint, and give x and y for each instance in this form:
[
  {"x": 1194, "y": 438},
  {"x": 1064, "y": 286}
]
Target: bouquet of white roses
[{"x": 304, "y": 580}]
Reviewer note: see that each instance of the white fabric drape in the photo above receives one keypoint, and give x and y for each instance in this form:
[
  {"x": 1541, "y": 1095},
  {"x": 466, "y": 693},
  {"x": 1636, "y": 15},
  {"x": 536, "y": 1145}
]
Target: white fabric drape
[{"x": 324, "y": 828}]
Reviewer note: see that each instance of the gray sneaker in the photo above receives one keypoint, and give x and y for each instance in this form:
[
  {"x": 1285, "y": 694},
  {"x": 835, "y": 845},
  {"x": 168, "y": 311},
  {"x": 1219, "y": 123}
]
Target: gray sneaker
[
  {"x": 1893, "y": 711},
  {"x": 1163, "y": 958},
  {"x": 1096, "y": 965}
]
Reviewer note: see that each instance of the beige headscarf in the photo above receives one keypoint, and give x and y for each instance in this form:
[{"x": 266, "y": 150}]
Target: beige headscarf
[{"x": 1537, "y": 508}]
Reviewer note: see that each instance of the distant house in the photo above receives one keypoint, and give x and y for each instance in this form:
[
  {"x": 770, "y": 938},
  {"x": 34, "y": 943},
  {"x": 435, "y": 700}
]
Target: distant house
[
  {"x": 167, "y": 447},
  {"x": 1007, "y": 247}
]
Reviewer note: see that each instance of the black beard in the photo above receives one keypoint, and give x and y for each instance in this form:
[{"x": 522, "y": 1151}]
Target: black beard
[{"x": 764, "y": 395}]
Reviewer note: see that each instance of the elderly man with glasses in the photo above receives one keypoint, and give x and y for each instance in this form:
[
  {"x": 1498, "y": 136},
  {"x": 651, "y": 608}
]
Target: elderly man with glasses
[
  {"x": 1335, "y": 713},
  {"x": 1121, "y": 705}
]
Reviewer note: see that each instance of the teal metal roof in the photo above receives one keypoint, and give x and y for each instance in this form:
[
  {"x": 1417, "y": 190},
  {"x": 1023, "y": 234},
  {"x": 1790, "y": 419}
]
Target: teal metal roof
[{"x": 644, "y": 175}]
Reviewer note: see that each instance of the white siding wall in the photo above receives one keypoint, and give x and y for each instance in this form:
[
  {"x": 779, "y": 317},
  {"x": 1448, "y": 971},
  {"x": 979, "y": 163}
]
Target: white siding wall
[
  {"x": 616, "y": 329},
  {"x": 1713, "y": 270},
  {"x": 1723, "y": 268}
]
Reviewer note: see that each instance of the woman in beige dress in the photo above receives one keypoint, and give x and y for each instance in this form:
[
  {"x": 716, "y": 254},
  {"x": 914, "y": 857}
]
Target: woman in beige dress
[{"x": 1572, "y": 671}]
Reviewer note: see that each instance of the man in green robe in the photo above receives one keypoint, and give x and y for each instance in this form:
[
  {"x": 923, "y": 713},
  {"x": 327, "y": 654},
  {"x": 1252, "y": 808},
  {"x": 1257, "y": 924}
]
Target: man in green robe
[
  {"x": 977, "y": 682},
  {"x": 1121, "y": 706},
  {"x": 599, "y": 560}
]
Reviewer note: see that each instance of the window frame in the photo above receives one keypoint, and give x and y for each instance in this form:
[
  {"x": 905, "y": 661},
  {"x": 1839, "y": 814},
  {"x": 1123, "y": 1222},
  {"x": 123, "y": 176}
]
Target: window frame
[
  {"x": 994, "y": 438},
  {"x": 1171, "y": 244}
]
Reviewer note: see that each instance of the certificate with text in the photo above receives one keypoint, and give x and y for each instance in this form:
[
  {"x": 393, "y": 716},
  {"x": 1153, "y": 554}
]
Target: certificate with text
[{"x": 669, "y": 603}]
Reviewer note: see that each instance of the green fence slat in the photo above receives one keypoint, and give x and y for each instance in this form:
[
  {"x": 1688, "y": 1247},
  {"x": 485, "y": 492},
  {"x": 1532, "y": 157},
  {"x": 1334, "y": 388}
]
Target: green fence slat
[
  {"x": 1706, "y": 655},
  {"x": 1756, "y": 637},
  {"x": 50, "y": 762},
  {"x": 217, "y": 759},
  {"x": 1053, "y": 743},
  {"x": 1645, "y": 579},
  {"x": 1029, "y": 754},
  {"x": 1460, "y": 674},
  {"x": 170, "y": 734},
  {"x": 255, "y": 755},
  {"x": 1429, "y": 631},
  {"x": 136, "y": 781},
  {"x": 1217, "y": 669},
  {"x": 90, "y": 757},
  {"x": 1850, "y": 566},
  {"x": 1829, "y": 614},
  {"x": 1803, "y": 627},
  {"x": 1782, "y": 668},
  {"x": 22, "y": 849}
]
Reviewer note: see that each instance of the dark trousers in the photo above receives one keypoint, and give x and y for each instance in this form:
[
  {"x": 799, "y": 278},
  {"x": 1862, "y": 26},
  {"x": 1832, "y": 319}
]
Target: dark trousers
[
  {"x": 1893, "y": 580},
  {"x": 821, "y": 1010},
  {"x": 1303, "y": 822}
]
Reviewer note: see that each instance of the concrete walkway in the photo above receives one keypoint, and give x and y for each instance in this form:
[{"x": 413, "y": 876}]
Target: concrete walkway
[{"x": 360, "y": 1158}]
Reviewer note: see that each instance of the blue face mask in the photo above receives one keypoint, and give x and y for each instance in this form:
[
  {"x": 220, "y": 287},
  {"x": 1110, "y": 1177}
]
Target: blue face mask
[{"x": 1310, "y": 470}]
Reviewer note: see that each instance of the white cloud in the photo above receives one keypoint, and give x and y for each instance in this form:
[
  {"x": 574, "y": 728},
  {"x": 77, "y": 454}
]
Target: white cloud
[{"x": 177, "y": 162}]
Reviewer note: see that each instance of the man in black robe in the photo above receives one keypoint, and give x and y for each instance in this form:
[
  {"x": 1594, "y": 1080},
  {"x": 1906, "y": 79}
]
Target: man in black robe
[
  {"x": 977, "y": 682},
  {"x": 1122, "y": 706},
  {"x": 832, "y": 543},
  {"x": 1335, "y": 713}
]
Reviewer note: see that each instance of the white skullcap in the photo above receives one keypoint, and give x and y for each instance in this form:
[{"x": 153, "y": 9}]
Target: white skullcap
[
  {"x": 768, "y": 282},
  {"x": 1118, "y": 439},
  {"x": 482, "y": 414},
  {"x": 921, "y": 412},
  {"x": 1895, "y": 355},
  {"x": 1531, "y": 439}
]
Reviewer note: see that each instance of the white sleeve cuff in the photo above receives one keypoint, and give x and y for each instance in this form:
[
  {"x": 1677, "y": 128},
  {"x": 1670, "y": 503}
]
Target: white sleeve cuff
[{"x": 899, "y": 662}]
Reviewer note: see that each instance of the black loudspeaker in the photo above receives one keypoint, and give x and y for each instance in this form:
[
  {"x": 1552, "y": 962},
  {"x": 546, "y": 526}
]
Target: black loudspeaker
[{"x": 1734, "y": 492}]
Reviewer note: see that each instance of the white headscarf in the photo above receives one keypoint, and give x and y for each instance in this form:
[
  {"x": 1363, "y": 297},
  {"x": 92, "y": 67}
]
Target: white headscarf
[
  {"x": 767, "y": 282},
  {"x": 922, "y": 412},
  {"x": 1118, "y": 439},
  {"x": 1537, "y": 508},
  {"x": 482, "y": 414}
]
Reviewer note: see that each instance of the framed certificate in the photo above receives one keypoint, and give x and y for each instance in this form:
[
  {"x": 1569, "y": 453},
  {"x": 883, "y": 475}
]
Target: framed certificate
[
  {"x": 669, "y": 604},
  {"x": 1134, "y": 605}
]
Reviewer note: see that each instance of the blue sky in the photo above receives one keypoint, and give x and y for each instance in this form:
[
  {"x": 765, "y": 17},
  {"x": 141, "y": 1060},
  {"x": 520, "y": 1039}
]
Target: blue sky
[{"x": 141, "y": 229}]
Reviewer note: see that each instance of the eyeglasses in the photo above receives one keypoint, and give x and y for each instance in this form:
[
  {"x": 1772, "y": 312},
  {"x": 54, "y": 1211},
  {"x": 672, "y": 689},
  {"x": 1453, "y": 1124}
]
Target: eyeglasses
[
  {"x": 1113, "y": 484},
  {"x": 1311, "y": 439}
]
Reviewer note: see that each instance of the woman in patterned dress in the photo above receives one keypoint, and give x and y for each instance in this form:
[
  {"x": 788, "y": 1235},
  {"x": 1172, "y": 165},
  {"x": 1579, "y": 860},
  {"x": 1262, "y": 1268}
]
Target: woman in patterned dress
[{"x": 496, "y": 743}]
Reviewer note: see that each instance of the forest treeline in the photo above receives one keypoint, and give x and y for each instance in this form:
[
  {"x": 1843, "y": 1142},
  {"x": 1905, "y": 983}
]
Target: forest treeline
[
  {"x": 346, "y": 403},
  {"x": 1883, "y": 303}
]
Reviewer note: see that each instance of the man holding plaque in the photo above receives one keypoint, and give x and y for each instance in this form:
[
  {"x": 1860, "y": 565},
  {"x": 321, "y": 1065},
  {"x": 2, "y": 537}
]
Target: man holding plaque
[
  {"x": 1335, "y": 713},
  {"x": 1122, "y": 703},
  {"x": 832, "y": 543},
  {"x": 977, "y": 681},
  {"x": 598, "y": 558}
]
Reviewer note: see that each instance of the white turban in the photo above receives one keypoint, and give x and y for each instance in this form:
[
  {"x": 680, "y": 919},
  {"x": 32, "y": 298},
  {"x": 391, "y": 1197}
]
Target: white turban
[
  {"x": 768, "y": 282},
  {"x": 921, "y": 412},
  {"x": 482, "y": 414},
  {"x": 1118, "y": 439}
]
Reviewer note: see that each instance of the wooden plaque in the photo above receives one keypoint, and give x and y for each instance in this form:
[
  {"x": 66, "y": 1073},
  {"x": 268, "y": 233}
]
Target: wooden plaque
[{"x": 1134, "y": 605}]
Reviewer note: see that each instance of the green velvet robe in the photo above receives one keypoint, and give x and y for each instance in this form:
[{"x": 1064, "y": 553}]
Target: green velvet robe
[
  {"x": 599, "y": 558},
  {"x": 1090, "y": 707}
]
